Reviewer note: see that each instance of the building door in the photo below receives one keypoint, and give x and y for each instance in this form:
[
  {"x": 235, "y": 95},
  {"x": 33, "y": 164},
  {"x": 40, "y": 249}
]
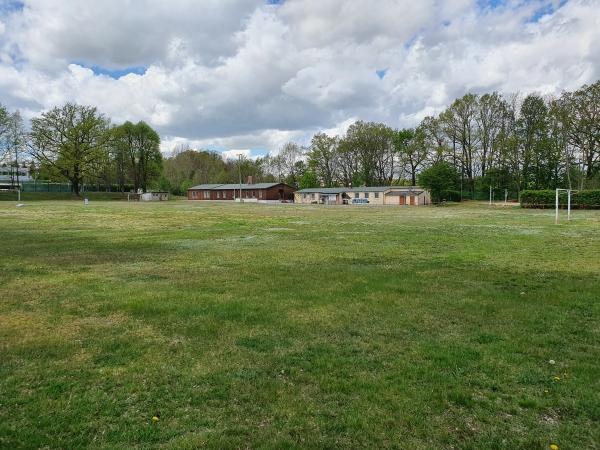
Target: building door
[{"x": 402, "y": 200}]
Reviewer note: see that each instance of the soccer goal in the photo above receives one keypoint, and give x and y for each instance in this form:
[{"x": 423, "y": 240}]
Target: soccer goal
[
  {"x": 16, "y": 191},
  {"x": 557, "y": 204}
]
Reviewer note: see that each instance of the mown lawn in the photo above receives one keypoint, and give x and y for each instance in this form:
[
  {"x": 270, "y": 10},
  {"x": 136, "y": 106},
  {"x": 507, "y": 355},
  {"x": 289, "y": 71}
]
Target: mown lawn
[{"x": 297, "y": 326}]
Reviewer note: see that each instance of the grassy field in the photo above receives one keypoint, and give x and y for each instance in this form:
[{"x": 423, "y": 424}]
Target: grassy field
[
  {"x": 292, "y": 327},
  {"x": 37, "y": 196}
]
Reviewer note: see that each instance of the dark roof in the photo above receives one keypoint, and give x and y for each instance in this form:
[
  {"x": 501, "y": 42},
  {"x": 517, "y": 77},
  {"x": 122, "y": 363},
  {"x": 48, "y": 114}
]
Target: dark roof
[
  {"x": 339, "y": 190},
  {"x": 323, "y": 190},
  {"x": 218, "y": 187},
  {"x": 206, "y": 186}
]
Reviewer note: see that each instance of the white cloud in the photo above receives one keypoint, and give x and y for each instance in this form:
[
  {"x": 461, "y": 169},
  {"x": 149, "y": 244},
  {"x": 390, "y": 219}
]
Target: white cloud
[
  {"x": 234, "y": 154},
  {"x": 240, "y": 74}
]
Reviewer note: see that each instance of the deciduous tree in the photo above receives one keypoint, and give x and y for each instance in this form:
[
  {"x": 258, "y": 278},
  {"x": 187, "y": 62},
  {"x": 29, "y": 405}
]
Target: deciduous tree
[{"x": 72, "y": 139}]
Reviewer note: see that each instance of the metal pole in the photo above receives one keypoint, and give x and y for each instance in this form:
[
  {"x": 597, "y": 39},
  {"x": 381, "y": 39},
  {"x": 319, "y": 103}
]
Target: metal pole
[
  {"x": 490, "y": 194},
  {"x": 556, "y": 205},
  {"x": 569, "y": 204},
  {"x": 505, "y": 196},
  {"x": 19, "y": 195},
  {"x": 240, "y": 174}
]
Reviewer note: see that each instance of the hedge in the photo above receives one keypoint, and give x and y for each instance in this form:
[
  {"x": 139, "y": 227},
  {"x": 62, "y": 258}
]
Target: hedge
[{"x": 589, "y": 199}]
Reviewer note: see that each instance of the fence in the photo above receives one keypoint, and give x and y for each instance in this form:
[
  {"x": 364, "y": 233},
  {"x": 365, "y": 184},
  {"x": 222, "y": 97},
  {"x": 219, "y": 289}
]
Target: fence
[{"x": 48, "y": 186}]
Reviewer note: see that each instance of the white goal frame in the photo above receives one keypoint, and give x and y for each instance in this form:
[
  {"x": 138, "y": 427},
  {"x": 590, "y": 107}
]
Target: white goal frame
[
  {"x": 557, "y": 206},
  {"x": 16, "y": 191}
]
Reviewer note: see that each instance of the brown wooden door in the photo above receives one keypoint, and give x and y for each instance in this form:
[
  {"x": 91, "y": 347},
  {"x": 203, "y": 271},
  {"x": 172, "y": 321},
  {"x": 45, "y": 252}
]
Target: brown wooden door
[{"x": 402, "y": 200}]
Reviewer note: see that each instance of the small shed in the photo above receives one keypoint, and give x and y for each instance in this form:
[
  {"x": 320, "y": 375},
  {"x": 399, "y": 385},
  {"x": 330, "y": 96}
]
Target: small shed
[{"x": 154, "y": 196}]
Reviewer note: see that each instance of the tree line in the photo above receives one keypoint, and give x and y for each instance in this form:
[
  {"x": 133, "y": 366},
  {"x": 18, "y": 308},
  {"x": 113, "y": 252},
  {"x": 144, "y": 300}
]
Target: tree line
[
  {"x": 506, "y": 142},
  {"x": 77, "y": 144},
  {"x": 503, "y": 142},
  {"x": 480, "y": 141}
]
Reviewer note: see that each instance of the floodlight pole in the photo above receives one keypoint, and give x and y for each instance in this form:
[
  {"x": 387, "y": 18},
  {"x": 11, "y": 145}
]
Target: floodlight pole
[
  {"x": 505, "y": 196},
  {"x": 569, "y": 204},
  {"x": 19, "y": 195}
]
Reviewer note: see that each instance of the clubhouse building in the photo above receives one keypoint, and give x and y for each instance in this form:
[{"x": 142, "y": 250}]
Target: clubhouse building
[
  {"x": 248, "y": 192},
  {"x": 377, "y": 195}
]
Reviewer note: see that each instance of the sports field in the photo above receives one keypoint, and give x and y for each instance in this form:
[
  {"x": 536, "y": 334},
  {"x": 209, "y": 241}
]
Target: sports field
[{"x": 256, "y": 326}]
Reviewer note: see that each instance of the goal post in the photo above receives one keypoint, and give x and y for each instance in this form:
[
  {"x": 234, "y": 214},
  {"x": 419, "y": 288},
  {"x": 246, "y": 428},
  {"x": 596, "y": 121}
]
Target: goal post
[
  {"x": 11, "y": 190},
  {"x": 557, "y": 203}
]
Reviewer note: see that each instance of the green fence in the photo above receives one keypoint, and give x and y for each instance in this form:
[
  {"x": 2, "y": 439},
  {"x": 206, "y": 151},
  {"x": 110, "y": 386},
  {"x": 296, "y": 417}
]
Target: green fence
[
  {"x": 45, "y": 186},
  {"x": 48, "y": 186}
]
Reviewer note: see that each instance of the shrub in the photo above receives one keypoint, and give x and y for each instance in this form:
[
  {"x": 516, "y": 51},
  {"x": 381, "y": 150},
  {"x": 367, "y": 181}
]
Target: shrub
[
  {"x": 440, "y": 179},
  {"x": 588, "y": 199}
]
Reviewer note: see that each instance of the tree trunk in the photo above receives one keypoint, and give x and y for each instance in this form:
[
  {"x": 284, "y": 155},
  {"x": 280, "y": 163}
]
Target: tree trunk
[{"x": 76, "y": 187}]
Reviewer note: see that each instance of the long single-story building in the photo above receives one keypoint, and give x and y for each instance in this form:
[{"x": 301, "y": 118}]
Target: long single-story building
[
  {"x": 267, "y": 192},
  {"x": 377, "y": 195}
]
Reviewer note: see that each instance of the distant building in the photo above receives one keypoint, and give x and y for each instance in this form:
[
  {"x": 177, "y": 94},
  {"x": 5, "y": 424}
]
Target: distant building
[
  {"x": 154, "y": 196},
  {"x": 377, "y": 195},
  {"x": 247, "y": 192},
  {"x": 8, "y": 175}
]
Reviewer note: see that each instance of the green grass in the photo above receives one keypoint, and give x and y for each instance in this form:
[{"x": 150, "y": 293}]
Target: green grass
[
  {"x": 297, "y": 326},
  {"x": 37, "y": 196}
]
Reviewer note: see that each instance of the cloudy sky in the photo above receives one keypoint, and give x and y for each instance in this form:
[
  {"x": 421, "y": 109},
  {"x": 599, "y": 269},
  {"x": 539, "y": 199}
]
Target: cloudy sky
[{"x": 252, "y": 74}]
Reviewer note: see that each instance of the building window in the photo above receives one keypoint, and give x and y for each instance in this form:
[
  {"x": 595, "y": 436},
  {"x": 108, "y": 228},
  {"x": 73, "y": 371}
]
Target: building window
[
  {"x": 218, "y": 194},
  {"x": 376, "y": 194},
  {"x": 356, "y": 195},
  {"x": 366, "y": 195},
  {"x": 260, "y": 194},
  {"x": 206, "y": 195},
  {"x": 312, "y": 196}
]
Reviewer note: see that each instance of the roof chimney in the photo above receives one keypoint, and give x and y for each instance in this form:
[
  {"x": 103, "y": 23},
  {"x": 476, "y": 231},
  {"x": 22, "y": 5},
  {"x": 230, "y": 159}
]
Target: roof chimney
[{"x": 250, "y": 179}]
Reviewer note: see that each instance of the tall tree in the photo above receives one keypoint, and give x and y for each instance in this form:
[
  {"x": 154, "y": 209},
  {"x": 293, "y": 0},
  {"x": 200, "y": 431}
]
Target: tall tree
[
  {"x": 4, "y": 124},
  {"x": 323, "y": 158},
  {"x": 72, "y": 139},
  {"x": 435, "y": 139},
  {"x": 348, "y": 163},
  {"x": 532, "y": 128},
  {"x": 489, "y": 120},
  {"x": 461, "y": 124},
  {"x": 375, "y": 151},
  {"x": 14, "y": 143},
  {"x": 289, "y": 156},
  {"x": 582, "y": 124},
  {"x": 141, "y": 145},
  {"x": 190, "y": 167},
  {"x": 413, "y": 151}
]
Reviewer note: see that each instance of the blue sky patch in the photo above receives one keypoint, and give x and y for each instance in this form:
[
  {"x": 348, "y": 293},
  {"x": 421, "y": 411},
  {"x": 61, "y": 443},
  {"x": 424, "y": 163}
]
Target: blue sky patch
[
  {"x": 545, "y": 10},
  {"x": 490, "y": 4},
  {"x": 381, "y": 73},
  {"x": 11, "y": 6},
  {"x": 114, "y": 73}
]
